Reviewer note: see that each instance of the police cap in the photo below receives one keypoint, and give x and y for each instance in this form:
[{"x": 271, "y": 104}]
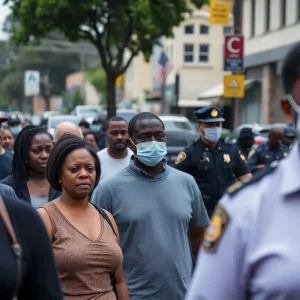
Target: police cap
[
  {"x": 247, "y": 132},
  {"x": 209, "y": 114},
  {"x": 289, "y": 132},
  {"x": 13, "y": 119}
]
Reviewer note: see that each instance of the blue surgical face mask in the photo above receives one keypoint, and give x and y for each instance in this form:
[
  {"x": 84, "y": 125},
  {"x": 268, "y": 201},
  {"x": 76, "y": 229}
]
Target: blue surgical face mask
[
  {"x": 95, "y": 128},
  {"x": 297, "y": 110},
  {"x": 212, "y": 134},
  {"x": 16, "y": 130},
  {"x": 151, "y": 153}
]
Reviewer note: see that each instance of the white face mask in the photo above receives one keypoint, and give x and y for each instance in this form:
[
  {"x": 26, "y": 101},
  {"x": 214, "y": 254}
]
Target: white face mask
[{"x": 212, "y": 134}]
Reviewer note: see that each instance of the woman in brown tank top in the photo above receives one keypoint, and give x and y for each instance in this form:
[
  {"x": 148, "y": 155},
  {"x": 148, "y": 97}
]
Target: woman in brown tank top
[{"x": 86, "y": 248}]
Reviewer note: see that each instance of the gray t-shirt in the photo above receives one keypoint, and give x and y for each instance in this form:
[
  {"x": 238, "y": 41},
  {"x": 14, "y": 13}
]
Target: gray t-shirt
[{"x": 153, "y": 216}]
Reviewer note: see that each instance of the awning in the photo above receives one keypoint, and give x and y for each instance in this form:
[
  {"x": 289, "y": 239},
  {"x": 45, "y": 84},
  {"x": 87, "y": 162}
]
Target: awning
[
  {"x": 217, "y": 91},
  {"x": 194, "y": 103}
]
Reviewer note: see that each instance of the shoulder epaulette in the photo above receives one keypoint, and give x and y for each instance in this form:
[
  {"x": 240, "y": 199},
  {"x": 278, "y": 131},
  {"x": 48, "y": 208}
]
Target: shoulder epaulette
[{"x": 239, "y": 185}]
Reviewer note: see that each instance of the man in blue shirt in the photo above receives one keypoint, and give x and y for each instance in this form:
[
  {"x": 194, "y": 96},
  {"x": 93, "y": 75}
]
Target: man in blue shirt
[
  {"x": 159, "y": 212},
  {"x": 6, "y": 156}
]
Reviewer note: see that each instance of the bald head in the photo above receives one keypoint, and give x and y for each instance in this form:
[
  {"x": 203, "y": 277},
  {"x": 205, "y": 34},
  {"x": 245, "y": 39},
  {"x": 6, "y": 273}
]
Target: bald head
[
  {"x": 275, "y": 137},
  {"x": 66, "y": 127}
]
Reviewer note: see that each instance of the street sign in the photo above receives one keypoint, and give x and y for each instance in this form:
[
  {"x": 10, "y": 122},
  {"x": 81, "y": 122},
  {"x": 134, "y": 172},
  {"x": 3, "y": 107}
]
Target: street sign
[
  {"x": 219, "y": 12},
  {"x": 31, "y": 83},
  {"x": 234, "y": 53},
  {"x": 234, "y": 86}
]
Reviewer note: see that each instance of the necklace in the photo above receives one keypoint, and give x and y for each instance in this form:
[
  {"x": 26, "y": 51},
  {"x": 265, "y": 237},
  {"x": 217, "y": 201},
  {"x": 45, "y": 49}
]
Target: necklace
[{"x": 41, "y": 188}]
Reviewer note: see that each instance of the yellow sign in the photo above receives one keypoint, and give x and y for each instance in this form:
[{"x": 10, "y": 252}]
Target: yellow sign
[
  {"x": 119, "y": 81},
  {"x": 219, "y": 12},
  {"x": 234, "y": 86}
]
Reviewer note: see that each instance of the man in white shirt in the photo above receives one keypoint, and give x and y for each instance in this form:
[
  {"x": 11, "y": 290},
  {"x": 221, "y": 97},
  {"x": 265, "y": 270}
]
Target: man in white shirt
[{"x": 116, "y": 156}]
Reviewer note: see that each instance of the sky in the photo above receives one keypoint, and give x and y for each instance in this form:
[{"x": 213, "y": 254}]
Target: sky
[{"x": 4, "y": 12}]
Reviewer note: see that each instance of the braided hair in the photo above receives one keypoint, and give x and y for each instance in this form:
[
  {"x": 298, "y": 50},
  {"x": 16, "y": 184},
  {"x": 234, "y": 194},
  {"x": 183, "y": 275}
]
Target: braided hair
[
  {"x": 64, "y": 146},
  {"x": 21, "y": 153}
]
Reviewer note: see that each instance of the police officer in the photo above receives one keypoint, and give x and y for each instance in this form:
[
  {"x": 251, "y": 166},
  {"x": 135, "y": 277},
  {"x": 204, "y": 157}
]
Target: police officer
[
  {"x": 265, "y": 154},
  {"x": 14, "y": 125},
  {"x": 251, "y": 248},
  {"x": 289, "y": 136},
  {"x": 214, "y": 164},
  {"x": 246, "y": 140}
]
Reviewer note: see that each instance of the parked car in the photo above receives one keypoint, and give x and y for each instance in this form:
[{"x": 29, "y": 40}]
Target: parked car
[
  {"x": 53, "y": 121},
  {"x": 177, "y": 140},
  {"x": 233, "y": 136},
  {"x": 174, "y": 122},
  {"x": 126, "y": 114},
  {"x": 88, "y": 112},
  {"x": 47, "y": 114}
]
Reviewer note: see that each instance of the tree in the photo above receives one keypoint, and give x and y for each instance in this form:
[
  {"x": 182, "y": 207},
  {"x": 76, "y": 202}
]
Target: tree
[
  {"x": 97, "y": 78},
  {"x": 113, "y": 27},
  {"x": 56, "y": 65}
]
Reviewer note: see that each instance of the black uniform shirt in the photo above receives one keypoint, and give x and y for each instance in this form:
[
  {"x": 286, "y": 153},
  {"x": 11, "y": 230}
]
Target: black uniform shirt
[
  {"x": 264, "y": 155},
  {"x": 213, "y": 169}
]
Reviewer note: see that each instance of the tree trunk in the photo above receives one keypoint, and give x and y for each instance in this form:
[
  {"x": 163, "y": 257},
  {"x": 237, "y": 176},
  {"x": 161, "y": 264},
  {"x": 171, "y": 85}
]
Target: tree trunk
[
  {"x": 111, "y": 95},
  {"x": 47, "y": 101}
]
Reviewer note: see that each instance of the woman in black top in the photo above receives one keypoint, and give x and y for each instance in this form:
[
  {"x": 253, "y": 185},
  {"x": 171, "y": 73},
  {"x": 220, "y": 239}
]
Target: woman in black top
[
  {"x": 39, "y": 273},
  {"x": 32, "y": 148}
]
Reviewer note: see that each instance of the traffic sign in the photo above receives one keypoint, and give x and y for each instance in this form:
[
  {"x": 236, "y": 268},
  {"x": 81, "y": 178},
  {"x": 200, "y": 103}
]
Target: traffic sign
[
  {"x": 219, "y": 12},
  {"x": 234, "y": 53},
  {"x": 31, "y": 83},
  {"x": 234, "y": 86}
]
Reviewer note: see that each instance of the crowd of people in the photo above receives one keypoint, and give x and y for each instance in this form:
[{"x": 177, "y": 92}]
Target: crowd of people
[{"x": 92, "y": 216}]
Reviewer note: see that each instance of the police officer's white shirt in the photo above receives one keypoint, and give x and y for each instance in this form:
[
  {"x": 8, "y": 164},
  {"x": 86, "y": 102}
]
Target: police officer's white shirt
[
  {"x": 258, "y": 255},
  {"x": 112, "y": 166}
]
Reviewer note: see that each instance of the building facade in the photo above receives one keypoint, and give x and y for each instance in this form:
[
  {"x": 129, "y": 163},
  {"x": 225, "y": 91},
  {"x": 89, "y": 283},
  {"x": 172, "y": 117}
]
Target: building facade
[
  {"x": 271, "y": 28},
  {"x": 196, "y": 52}
]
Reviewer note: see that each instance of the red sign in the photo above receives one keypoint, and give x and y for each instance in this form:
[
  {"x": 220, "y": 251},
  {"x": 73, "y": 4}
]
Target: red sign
[{"x": 234, "y": 46}]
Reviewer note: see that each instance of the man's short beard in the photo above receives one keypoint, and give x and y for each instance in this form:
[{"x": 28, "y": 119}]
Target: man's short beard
[{"x": 118, "y": 150}]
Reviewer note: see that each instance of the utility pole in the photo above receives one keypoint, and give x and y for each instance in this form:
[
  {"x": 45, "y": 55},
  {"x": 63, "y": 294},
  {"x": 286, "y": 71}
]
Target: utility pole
[{"x": 238, "y": 29}]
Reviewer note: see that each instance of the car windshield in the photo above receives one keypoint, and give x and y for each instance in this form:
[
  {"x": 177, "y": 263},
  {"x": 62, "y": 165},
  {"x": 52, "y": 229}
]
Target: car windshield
[
  {"x": 179, "y": 139},
  {"x": 89, "y": 112},
  {"x": 177, "y": 125},
  {"x": 126, "y": 116},
  {"x": 57, "y": 121}
]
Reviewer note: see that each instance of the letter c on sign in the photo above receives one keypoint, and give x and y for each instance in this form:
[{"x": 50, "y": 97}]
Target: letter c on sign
[{"x": 230, "y": 44}]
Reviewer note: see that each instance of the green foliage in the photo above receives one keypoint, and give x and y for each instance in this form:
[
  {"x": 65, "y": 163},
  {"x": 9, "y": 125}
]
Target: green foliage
[
  {"x": 71, "y": 99},
  {"x": 113, "y": 27},
  {"x": 97, "y": 78},
  {"x": 57, "y": 65}
]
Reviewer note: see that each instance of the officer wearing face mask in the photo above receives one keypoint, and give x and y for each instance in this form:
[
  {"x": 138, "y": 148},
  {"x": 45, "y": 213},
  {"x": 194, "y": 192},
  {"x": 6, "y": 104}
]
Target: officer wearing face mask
[
  {"x": 214, "y": 164},
  {"x": 14, "y": 125}
]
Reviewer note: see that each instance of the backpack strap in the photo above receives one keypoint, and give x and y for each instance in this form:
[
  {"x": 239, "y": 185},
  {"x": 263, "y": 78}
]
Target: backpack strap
[
  {"x": 105, "y": 216},
  {"x": 16, "y": 248}
]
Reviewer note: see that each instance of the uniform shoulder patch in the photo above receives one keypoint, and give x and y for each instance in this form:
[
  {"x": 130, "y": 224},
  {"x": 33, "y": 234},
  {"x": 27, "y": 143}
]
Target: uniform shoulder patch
[
  {"x": 215, "y": 230},
  {"x": 239, "y": 185},
  {"x": 180, "y": 157}
]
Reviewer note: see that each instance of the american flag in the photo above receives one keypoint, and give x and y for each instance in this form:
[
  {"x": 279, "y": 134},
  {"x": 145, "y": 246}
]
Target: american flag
[{"x": 163, "y": 69}]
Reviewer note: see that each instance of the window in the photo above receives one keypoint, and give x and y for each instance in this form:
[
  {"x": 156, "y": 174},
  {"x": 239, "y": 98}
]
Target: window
[
  {"x": 188, "y": 53},
  {"x": 227, "y": 30},
  {"x": 189, "y": 29},
  {"x": 203, "y": 53},
  {"x": 268, "y": 8},
  {"x": 253, "y": 17},
  {"x": 204, "y": 29},
  {"x": 283, "y": 12}
]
